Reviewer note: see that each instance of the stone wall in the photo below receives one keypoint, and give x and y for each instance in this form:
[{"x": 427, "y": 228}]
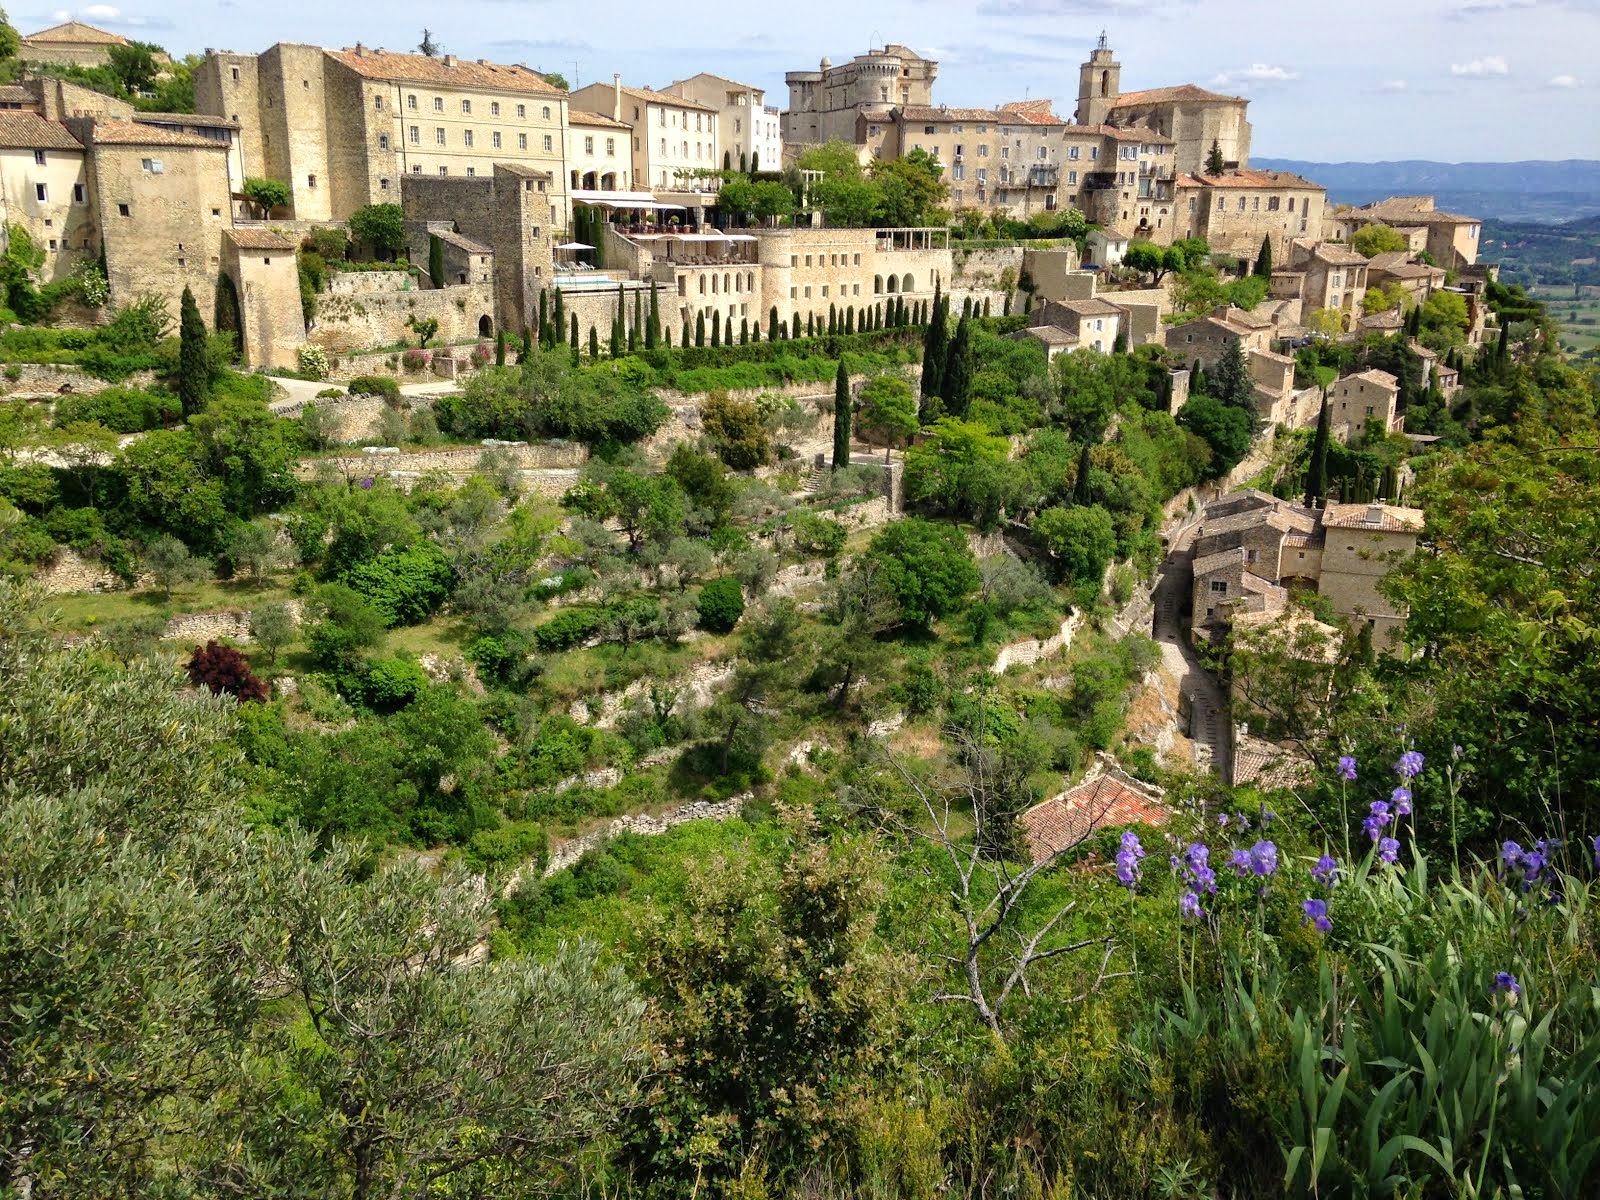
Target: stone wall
[
  {"x": 565, "y": 854},
  {"x": 358, "y": 319},
  {"x": 696, "y": 689},
  {"x": 71, "y": 572},
  {"x": 1031, "y": 650},
  {"x": 462, "y": 460},
  {"x": 981, "y": 275},
  {"x": 46, "y": 379}
]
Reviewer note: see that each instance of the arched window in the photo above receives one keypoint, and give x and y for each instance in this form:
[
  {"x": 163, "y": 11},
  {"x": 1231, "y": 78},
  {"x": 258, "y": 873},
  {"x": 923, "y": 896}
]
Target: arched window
[
  {"x": 877, "y": 285},
  {"x": 485, "y": 324},
  {"x": 750, "y": 281},
  {"x": 725, "y": 283},
  {"x": 702, "y": 285},
  {"x": 907, "y": 284},
  {"x": 894, "y": 283},
  {"x": 1105, "y": 83}
]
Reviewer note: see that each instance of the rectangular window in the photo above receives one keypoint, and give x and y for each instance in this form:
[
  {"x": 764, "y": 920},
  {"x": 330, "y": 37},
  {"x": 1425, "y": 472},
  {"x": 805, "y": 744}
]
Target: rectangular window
[
  {"x": 588, "y": 145},
  {"x": 383, "y": 185},
  {"x": 983, "y": 150},
  {"x": 611, "y": 147},
  {"x": 466, "y": 106},
  {"x": 857, "y": 261},
  {"x": 416, "y": 135},
  {"x": 494, "y": 108},
  {"x": 1291, "y": 203},
  {"x": 40, "y": 193},
  {"x": 411, "y": 103},
  {"x": 466, "y": 137},
  {"x": 494, "y": 139},
  {"x": 377, "y": 103},
  {"x": 547, "y": 143},
  {"x": 38, "y": 158},
  {"x": 236, "y": 74},
  {"x": 438, "y": 135},
  {"x": 522, "y": 141},
  {"x": 154, "y": 166},
  {"x": 123, "y": 211},
  {"x": 311, "y": 181},
  {"x": 383, "y": 141},
  {"x": 78, "y": 193},
  {"x": 438, "y": 104},
  {"x": 522, "y": 111},
  {"x": 1072, "y": 152},
  {"x": 1219, "y": 585},
  {"x": 808, "y": 291},
  {"x": 1272, "y": 203},
  {"x": 1094, "y": 153},
  {"x": 472, "y": 170},
  {"x": 444, "y": 170}
]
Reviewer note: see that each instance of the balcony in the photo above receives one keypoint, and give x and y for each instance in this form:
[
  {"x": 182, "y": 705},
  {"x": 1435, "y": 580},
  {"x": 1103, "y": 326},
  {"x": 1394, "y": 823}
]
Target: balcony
[{"x": 1044, "y": 176}]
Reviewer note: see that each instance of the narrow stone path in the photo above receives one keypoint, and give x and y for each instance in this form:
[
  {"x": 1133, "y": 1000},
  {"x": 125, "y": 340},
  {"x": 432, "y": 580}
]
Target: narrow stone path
[{"x": 1209, "y": 727}]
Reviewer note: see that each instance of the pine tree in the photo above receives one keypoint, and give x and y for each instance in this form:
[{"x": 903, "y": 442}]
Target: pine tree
[
  {"x": 958, "y": 370},
  {"x": 436, "y": 259},
  {"x": 772, "y": 323},
  {"x": 1317, "y": 472},
  {"x": 194, "y": 365},
  {"x": 652, "y": 328},
  {"x": 1230, "y": 382},
  {"x": 1214, "y": 163},
  {"x": 1264, "y": 258},
  {"x": 500, "y": 348},
  {"x": 594, "y": 344},
  {"x": 700, "y": 328},
  {"x": 841, "y": 418},
  {"x": 934, "y": 349}
]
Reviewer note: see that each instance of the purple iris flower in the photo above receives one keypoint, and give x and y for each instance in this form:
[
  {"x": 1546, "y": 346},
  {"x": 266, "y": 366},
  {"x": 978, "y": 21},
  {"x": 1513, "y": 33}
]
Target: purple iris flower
[
  {"x": 1244, "y": 822},
  {"x": 1373, "y": 826},
  {"x": 1510, "y": 856},
  {"x": 366, "y": 485},
  {"x": 1263, "y": 859},
  {"x": 1128, "y": 859},
  {"x": 1409, "y": 766},
  {"x": 1189, "y": 907},
  {"x": 1596, "y": 842},
  {"x": 1402, "y": 801},
  {"x": 1267, "y": 817},
  {"x": 1240, "y": 861},
  {"x": 1326, "y": 870},
  {"x": 1347, "y": 768},
  {"x": 1388, "y": 850},
  {"x": 1505, "y": 983},
  {"x": 1222, "y": 820},
  {"x": 1317, "y": 914}
]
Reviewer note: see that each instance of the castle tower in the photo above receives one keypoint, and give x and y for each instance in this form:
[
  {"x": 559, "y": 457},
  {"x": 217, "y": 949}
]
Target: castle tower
[{"x": 1099, "y": 84}]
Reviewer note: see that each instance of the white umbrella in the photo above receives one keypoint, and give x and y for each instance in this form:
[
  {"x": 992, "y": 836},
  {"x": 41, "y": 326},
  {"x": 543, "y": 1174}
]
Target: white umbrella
[{"x": 574, "y": 246}]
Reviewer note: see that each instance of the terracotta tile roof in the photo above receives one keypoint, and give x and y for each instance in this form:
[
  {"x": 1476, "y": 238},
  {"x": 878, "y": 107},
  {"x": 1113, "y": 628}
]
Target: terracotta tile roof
[
  {"x": 1242, "y": 317},
  {"x": 450, "y": 71},
  {"x": 24, "y": 130},
  {"x": 78, "y": 34},
  {"x": 1030, "y": 112},
  {"x": 1094, "y": 307},
  {"x": 131, "y": 133},
  {"x": 923, "y": 112},
  {"x": 1184, "y": 92},
  {"x": 732, "y": 83},
  {"x": 1250, "y": 178},
  {"x": 247, "y": 238},
  {"x": 591, "y": 120},
  {"x": 1338, "y": 256},
  {"x": 1103, "y": 801},
  {"x": 1389, "y": 517},
  {"x": 1219, "y": 561},
  {"x": 1050, "y": 335},
  {"x": 1388, "y": 319},
  {"x": 12, "y": 94},
  {"x": 1374, "y": 376},
  {"x": 451, "y": 238},
  {"x": 651, "y": 96},
  {"x": 199, "y": 120},
  {"x": 1261, "y": 764}
]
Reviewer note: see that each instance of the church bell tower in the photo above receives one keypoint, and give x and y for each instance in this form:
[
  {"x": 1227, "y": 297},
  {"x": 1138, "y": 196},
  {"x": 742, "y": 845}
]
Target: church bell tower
[{"x": 1099, "y": 84}]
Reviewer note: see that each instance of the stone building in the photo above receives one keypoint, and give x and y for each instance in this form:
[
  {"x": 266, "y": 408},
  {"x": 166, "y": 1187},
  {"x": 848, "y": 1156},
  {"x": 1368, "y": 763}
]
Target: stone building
[
  {"x": 1007, "y": 160},
  {"x": 1092, "y": 323},
  {"x": 748, "y": 131},
  {"x": 342, "y": 127},
  {"x": 1252, "y": 549},
  {"x": 73, "y": 44},
  {"x": 827, "y": 104},
  {"x": 1323, "y": 275},
  {"x": 260, "y": 267},
  {"x": 1417, "y": 280},
  {"x": 1235, "y": 210},
  {"x": 1356, "y": 399},
  {"x": 44, "y": 189},
  {"x": 599, "y": 153},
  {"x": 674, "y": 138},
  {"x": 1450, "y": 239}
]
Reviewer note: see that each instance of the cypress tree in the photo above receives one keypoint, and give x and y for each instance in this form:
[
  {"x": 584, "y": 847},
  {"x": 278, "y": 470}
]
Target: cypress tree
[
  {"x": 1214, "y": 163},
  {"x": 772, "y": 323},
  {"x": 525, "y": 351},
  {"x": 1414, "y": 321},
  {"x": 902, "y": 314},
  {"x": 850, "y": 319},
  {"x": 833, "y": 320},
  {"x": 727, "y": 160},
  {"x": 755, "y": 162},
  {"x": 1264, "y": 258},
  {"x": 1317, "y": 472},
  {"x": 683, "y": 338},
  {"x": 958, "y": 370},
  {"x": 798, "y": 326},
  {"x": 1081, "y": 494},
  {"x": 716, "y": 327},
  {"x": 436, "y": 260},
  {"x": 574, "y": 339},
  {"x": 544, "y": 319},
  {"x": 1198, "y": 386},
  {"x": 986, "y": 306},
  {"x": 619, "y": 323},
  {"x": 558, "y": 318},
  {"x": 500, "y": 348},
  {"x": 636, "y": 330},
  {"x": 934, "y": 349},
  {"x": 633, "y": 339},
  {"x": 669, "y": 337},
  {"x": 1005, "y": 307},
  {"x": 594, "y": 344},
  {"x": 841, "y": 418},
  {"x": 1120, "y": 345},
  {"x": 1027, "y": 303},
  {"x": 1231, "y": 377},
  {"x": 755, "y": 332},
  {"x": 194, "y": 367},
  {"x": 700, "y": 328},
  {"x": 966, "y": 308},
  {"x": 744, "y": 163},
  {"x": 811, "y": 325},
  {"x": 652, "y": 328},
  {"x": 744, "y": 331}
]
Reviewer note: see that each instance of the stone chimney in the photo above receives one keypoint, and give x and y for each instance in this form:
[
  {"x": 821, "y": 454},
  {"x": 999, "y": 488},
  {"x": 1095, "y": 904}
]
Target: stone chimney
[
  {"x": 616, "y": 97},
  {"x": 450, "y": 60}
]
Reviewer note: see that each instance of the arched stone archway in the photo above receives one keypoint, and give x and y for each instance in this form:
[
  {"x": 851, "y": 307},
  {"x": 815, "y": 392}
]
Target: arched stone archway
[
  {"x": 908, "y": 284},
  {"x": 486, "y": 326}
]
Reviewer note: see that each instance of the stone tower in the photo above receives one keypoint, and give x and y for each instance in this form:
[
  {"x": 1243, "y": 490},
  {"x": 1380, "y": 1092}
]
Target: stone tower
[{"x": 1099, "y": 84}]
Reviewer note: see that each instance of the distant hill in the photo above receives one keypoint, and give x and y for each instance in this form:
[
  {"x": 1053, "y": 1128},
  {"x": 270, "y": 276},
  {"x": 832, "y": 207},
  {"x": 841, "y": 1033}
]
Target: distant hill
[{"x": 1539, "y": 191}]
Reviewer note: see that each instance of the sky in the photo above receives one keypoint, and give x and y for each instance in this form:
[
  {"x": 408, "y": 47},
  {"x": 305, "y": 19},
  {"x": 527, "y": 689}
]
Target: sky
[{"x": 1358, "y": 80}]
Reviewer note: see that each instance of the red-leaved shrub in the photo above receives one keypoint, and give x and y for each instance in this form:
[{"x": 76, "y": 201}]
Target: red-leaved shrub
[{"x": 224, "y": 669}]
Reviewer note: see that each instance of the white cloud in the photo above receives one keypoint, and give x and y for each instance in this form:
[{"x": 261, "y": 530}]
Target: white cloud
[
  {"x": 102, "y": 12},
  {"x": 1255, "y": 73},
  {"x": 1563, "y": 81},
  {"x": 1477, "y": 8},
  {"x": 1481, "y": 68},
  {"x": 1393, "y": 85}
]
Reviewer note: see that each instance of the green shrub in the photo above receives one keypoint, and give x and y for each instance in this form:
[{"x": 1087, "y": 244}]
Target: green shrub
[
  {"x": 123, "y": 410},
  {"x": 404, "y": 586},
  {"x": 376, "y": 385},
  {"x": 520, "y": 843},
  {"x": 570, "y": 628},
  {"x": 721, "y": 605},
  {"x": 390, "y": 684}
]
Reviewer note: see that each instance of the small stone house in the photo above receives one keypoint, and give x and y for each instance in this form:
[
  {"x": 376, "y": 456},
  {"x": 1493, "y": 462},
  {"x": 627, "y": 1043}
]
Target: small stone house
[
  {"x": 1357, "y": 398},
  {"x": 1107, "y": 798}
]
